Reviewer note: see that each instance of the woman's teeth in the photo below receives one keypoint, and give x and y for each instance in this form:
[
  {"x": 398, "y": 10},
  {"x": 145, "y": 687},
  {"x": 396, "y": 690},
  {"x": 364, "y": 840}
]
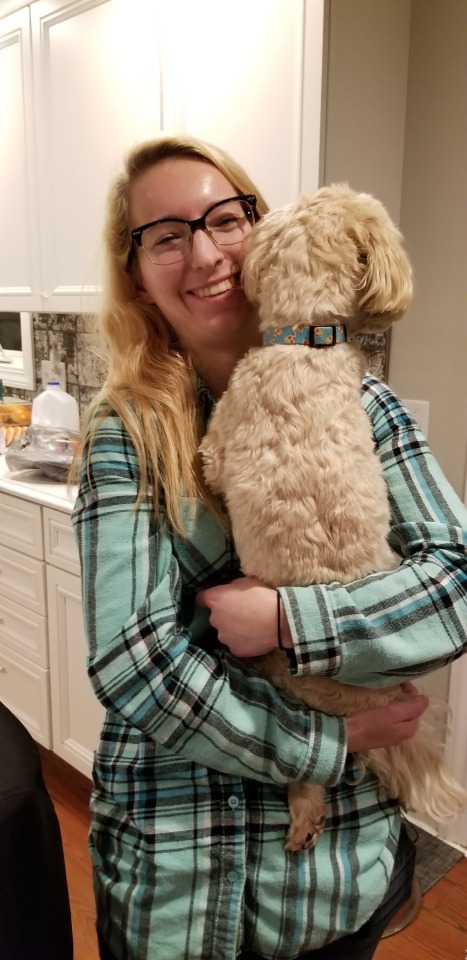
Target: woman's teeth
[{"x": 221, "y": 287}]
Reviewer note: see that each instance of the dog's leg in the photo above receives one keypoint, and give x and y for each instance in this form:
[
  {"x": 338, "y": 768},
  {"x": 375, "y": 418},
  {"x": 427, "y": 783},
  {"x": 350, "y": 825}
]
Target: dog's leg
[{"x": 307, "y": 815}]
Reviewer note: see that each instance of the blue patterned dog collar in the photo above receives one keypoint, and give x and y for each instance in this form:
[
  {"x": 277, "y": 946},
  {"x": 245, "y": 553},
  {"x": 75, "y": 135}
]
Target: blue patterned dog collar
[{"x": 308, "y": 336}]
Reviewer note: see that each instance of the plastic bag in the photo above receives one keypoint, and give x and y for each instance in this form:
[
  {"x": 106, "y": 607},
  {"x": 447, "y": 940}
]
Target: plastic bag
[{"x": 47, "y": 449}]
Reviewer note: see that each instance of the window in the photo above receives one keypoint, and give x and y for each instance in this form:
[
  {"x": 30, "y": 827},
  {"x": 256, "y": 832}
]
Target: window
[{"x": 17, "y": 368}]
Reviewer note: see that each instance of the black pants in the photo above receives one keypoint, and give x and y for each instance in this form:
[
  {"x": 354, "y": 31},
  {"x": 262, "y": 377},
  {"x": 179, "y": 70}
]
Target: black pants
[{"x": 362, "y": 944}]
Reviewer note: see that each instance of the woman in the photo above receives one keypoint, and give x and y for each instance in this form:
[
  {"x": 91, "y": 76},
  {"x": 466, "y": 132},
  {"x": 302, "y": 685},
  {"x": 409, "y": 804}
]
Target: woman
[{"x": 189, "y": 809}]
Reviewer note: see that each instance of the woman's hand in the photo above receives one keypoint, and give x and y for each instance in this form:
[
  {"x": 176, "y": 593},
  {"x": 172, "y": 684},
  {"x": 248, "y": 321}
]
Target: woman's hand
[
  {"x": 244, "y": 613},
  {"x": 386, "y": 726}
]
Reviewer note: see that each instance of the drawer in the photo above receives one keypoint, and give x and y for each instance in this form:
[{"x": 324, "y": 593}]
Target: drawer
[
  {"x": 24, "y": 689},
  {"x": 21, "y": 526},
  {"x": 59, "y": 541},
  {"x": 22, "y": 579},
  {"x": 23, "y": 631}
]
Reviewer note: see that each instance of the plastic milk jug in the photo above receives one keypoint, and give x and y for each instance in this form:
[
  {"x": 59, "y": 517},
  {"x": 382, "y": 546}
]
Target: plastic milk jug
[{"x": 55, "y": 408}]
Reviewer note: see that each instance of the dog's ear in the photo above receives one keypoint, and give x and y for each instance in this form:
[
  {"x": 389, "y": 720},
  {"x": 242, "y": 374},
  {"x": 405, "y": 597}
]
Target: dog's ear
[
  {"x": 255, "y": 249},
  {"x": 386, "y": 285}
]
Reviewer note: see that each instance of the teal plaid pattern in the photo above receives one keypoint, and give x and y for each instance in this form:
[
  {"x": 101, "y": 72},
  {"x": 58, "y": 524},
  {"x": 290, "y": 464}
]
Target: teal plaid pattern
[{"x": 189, "y": 809}]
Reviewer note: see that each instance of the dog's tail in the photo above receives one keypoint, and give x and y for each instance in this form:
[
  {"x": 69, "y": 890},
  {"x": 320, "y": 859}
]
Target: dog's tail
[{"x": 415, "y": 772}]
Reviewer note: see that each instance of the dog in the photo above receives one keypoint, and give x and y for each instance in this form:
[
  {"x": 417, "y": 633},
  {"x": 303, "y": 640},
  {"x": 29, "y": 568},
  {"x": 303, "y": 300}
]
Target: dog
[{"x": 290, "y": 450}]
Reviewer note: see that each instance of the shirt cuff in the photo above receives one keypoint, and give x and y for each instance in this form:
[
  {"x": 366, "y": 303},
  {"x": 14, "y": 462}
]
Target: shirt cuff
[
  {"x": 327, "y": 753},
  {"x": 316, "y": 647}
]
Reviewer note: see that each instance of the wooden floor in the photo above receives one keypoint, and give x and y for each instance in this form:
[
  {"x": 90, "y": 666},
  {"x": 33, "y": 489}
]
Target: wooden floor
[
  {"x": 439, "y": 932},
  {"x": 70, "y": 793}
]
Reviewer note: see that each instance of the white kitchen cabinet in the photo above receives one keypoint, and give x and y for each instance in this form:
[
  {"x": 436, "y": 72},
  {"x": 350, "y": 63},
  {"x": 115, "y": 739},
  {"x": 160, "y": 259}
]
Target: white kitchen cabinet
[
  {"x": 97, "y": 91},
  {"x": 59, "y": 541},
  {"x": 251, "y": 83},
  {"x": 109, "y": 73},
  {"x": 43, "y": 648},
  {"x": 24, "y": 689},
  {"x": 19, "y": 236},
  {"x": 76, "y": 713},
  {"x": 24, "y": 659},
  {"x": 22, "y": 579},
  {"x": 24, "y": 630},
  {"x": 21, "y": 526}
]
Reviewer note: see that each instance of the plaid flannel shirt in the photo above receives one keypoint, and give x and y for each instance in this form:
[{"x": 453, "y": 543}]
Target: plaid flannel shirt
[{"x": 189, "y": 810}]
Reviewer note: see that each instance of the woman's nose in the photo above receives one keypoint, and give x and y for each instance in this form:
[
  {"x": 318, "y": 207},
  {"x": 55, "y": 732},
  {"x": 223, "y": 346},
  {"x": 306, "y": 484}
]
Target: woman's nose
[{"x": 204, "y": 250}]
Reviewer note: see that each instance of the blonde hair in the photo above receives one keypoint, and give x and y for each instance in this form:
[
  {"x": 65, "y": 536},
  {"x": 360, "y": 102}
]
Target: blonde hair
[{"x": 150, "y": 382}]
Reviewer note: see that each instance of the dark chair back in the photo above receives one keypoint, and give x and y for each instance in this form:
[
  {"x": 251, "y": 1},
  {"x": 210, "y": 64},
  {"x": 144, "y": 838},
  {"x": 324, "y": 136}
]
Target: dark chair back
[{"x": 35, "y": 919}]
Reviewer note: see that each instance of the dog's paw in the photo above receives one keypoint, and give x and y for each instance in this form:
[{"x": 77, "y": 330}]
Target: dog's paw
[{"x": 304, "y": 833}]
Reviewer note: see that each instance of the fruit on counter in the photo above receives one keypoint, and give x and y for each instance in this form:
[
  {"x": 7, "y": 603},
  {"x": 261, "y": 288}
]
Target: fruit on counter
[
  {"x": 10, "y": 432},
  {"x": 16, "y": 413}
]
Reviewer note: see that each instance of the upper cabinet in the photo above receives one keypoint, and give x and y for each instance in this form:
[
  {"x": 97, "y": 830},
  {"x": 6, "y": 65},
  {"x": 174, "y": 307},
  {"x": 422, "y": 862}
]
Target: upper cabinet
[
  {"x": 87, "y": 80},
  {"x": 250, "y": 82},
  {"x": 19, "y": 247},
  {"x": 97, "y": 89}
]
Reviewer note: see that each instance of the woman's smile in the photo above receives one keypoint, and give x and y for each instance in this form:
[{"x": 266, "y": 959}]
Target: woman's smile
[{"x": 218, "y": 287}]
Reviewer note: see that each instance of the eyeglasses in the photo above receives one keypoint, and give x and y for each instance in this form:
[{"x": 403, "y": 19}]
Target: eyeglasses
[{"x": 171, "y": 239}]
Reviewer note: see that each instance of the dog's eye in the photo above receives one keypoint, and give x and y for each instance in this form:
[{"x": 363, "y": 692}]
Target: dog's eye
[{"x": 363, "y": 258}]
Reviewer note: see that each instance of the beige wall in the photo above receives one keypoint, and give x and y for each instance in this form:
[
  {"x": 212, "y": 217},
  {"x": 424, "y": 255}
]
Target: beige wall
[
  {"x": 368, "y": 53},
  {"x": 429, "y": 352},
  {"x": 396, "y": 125}
]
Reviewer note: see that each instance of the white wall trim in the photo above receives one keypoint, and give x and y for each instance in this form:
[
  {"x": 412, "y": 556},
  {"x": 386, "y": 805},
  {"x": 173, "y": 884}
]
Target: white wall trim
[{"x": 456, "y": 747}]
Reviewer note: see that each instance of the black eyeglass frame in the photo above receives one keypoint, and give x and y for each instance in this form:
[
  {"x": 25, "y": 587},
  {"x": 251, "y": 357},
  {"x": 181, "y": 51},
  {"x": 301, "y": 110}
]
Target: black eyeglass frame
[{"x": 200, "y": 223}]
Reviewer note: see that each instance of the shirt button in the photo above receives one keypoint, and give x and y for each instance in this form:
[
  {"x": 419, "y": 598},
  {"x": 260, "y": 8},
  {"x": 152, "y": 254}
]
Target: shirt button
[
  {"x": 232, "y": 876},
  {"x": 233, "y": 802}
]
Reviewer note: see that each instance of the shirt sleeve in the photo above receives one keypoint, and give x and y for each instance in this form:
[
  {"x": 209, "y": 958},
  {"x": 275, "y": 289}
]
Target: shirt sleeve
[
  {"x": 408, "y": 621},
  {"x": 143, "y": 663}
]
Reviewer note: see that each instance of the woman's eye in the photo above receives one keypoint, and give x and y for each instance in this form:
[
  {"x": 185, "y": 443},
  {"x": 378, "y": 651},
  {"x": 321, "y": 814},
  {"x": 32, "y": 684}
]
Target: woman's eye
[
  {"x": 155, "y": 240},
  {"x": 166, "y": 240},
  {"x": 226, "y": 221}
]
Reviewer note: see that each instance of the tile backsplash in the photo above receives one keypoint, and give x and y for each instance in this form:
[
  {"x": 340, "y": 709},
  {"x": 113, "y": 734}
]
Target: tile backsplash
[{"x": 74, "y": 339}]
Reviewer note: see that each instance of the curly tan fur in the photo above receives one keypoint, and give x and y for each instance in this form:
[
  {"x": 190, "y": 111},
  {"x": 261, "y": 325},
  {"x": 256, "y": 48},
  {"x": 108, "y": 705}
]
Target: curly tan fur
[
  {"x": 334, "y": 256},
  {"x": 291, "y": 450}
]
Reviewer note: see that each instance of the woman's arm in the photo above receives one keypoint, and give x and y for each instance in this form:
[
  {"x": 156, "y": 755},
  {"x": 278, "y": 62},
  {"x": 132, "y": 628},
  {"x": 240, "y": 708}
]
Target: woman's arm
[
  {"x": 143, "y": 663},
  {"x": 410, "y": 620},
  {"x": 396, "y": 624}
]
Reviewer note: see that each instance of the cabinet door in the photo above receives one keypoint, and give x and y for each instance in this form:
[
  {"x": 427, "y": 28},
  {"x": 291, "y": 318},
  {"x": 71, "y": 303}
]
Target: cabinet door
[
  {"x": 248, "y": 78},
  {"x": 24, "y": 689},
  {"x": 76, "y": 713},
  {"x": 97, "y": 91},
  {"x": 19, "y": 236}
]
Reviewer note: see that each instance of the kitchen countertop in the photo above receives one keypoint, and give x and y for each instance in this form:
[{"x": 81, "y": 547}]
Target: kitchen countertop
[{"x": 32, "y": 485}]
